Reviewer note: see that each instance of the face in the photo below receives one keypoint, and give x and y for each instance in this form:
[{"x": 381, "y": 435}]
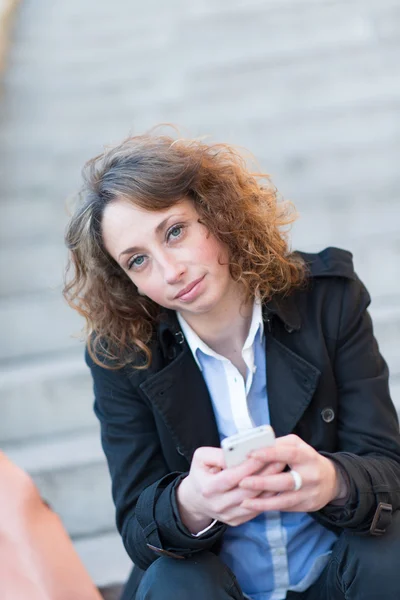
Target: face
[{"x": 171, "y": 257}]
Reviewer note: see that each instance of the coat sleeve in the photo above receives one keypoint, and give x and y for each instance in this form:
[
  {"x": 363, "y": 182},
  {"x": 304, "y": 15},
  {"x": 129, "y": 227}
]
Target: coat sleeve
[
  {"x": 368, "y": 429},
  {"x": 143, "y": 487}
]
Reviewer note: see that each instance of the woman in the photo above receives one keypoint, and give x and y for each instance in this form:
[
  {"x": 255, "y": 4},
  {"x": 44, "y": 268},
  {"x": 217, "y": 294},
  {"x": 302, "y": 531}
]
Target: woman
[{"x": 201, "y": 323}]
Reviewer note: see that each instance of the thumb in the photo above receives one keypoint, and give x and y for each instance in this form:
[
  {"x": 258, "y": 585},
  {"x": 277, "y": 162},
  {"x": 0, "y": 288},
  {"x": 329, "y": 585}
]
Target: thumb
[{"x": 209, "y": 457}]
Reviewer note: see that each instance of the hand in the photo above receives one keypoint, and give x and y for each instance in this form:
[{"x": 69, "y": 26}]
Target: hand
[
  {"x": 320, "y": 481},
  {"x": 211, "y": 492}
]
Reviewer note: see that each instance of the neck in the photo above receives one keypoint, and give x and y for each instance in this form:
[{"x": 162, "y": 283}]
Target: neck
[{"x": 226, "y": 328}]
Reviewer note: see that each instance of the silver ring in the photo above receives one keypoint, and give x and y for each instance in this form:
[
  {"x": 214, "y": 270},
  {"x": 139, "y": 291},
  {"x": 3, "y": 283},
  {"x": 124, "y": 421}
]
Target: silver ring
[{"x": 298, "y": 481}]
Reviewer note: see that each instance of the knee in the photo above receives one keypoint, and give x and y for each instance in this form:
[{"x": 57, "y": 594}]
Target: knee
[
  {"x": 203, "y": 575},
  {"x": 374, "y": 558},
  {"x": 379, "y": 550}
]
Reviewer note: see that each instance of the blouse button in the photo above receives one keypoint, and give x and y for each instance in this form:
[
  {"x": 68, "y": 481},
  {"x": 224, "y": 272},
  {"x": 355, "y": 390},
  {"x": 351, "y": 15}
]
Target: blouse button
[{"x": 328, "y": 414}]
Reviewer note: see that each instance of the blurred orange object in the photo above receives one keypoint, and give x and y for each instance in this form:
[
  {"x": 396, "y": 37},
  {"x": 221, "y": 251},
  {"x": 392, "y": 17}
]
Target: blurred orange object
[{"x": 37, "y": 558}]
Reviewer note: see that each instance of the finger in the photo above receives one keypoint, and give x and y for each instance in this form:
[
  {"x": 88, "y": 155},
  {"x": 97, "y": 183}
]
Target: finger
[
  {"x": 289, "y": 501},
  {"x": 238, "y": 515},
  {"x": 209, "y": 457},
  {"x": 292, "y": 440},
  {"x": 283, "y": 482},
  {"x": 234, "y": 498},
  {"x": 266, "y": 495},
  {"x": 272, "y": 469},
  {"x": 230, "y": 478},
  {"x": 287, "y": 454}
]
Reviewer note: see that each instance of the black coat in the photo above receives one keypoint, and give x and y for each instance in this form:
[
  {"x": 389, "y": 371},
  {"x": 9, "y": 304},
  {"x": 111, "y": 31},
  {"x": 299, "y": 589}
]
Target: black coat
[{"x": 326, "y": 382}]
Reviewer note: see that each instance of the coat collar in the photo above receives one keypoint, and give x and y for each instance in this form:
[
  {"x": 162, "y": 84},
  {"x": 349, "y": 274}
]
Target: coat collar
[{"x": 286, "y": 309}]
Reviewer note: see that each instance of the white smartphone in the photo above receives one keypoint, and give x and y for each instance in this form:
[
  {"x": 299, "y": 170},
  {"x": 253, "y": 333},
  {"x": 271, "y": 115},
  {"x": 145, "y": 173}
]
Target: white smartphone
[{"x": 237, "y": 447}]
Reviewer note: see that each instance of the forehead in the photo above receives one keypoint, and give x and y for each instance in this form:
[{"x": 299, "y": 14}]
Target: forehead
[{"x": 125, "y": 224}]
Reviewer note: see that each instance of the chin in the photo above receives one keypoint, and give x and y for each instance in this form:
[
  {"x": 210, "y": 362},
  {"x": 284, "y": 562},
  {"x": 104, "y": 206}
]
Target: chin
[{"x": 202, "y": 306}]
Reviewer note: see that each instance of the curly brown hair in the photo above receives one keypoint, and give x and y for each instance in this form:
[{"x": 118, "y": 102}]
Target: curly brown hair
[{"x": 240, "y": 208}]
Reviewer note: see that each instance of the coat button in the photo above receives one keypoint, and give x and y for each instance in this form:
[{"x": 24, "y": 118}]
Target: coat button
[
  {"x": 328, "y": 414},
  {"x": 179, "y": 337},
  {"x": 180, "y": 451}
]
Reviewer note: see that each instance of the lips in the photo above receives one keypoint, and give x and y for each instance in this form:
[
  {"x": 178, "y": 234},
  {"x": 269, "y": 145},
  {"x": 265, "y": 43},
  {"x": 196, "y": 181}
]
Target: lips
[{"x": 188, "y": 288}]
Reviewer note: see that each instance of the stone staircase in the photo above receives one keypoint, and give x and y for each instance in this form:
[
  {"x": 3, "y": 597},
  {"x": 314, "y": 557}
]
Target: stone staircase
[
  {"x": 330, "y": 146},
  {"x": 49, "y": 429}
]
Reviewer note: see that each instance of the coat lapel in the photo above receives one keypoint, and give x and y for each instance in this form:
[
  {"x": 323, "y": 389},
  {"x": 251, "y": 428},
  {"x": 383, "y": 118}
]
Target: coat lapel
[
  {"x": 291, "y": 383},
  {"x": 181, "y": 397}
]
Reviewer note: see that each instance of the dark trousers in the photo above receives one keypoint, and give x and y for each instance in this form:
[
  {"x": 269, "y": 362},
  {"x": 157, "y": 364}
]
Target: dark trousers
[{"x": 360, "y": 568}]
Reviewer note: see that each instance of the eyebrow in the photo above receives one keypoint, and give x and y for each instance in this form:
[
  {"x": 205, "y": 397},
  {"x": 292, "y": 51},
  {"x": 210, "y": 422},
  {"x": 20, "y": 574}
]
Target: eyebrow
[{"x": 157, "y": 230}]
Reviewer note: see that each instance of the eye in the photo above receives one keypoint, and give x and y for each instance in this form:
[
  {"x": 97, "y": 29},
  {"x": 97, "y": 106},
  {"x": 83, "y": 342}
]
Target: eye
[
  {"x": 175, "y": 232},
  {"x": 136, "y": 261}
]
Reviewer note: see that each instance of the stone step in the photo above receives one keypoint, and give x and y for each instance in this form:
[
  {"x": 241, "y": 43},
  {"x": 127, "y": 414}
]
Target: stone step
[
  {"x": 376, "y": 257},
  {"x": 72, "y": 476},
  {"x": 44, "y": 261},
  {"x": 23, "y": 319},
  {"x": 52, "y": 395},
  {"x": 47, "y": 221},
  {"x": 37, "y": 324},
  {"x": 105, "y": 558},
  {"x": 352, "y": 225},
  {"x": 45, "y": 397},
  {"x": 361, "y": 214},
  {"x": 386, "y": 320},
  {"x": 324, "y": 116},
  {"x": 349, "y": 226}
]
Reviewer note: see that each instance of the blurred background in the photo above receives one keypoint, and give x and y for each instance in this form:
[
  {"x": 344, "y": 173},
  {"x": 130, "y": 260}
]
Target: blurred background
[{"x": 310, "y": 87}]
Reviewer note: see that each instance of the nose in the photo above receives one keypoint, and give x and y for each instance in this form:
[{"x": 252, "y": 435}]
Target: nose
[{"x": 173, "y": 270}]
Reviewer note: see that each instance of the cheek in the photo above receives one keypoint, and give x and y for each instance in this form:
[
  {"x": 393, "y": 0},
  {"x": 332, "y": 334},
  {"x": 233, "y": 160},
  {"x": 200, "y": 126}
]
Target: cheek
[
  {"x": 216, "y": 256},
  {"x": 152, "y": 290},
  {"x": 209, "y": 251}
]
